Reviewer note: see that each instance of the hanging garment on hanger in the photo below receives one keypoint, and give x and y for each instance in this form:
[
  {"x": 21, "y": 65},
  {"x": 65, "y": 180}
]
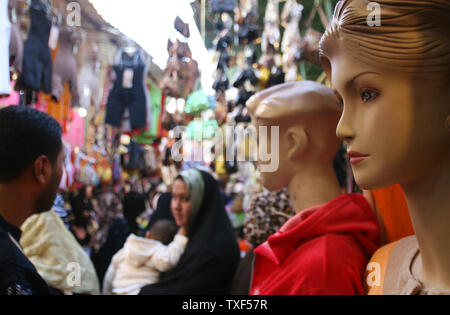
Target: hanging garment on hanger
[
  {"x": 88, "y": 86},
  {"x": 16, "y": 42},
  {"x": 220, "y": 6},
  {"x": 243, "y": 97},
  {"x": 75, "y": 130},
  {"x": 5, "y": 31},
  {"x": 128, "y": 92},
  {"x": 90, "y": 77},
  {"x": 245, "y": 75},
  {"x": 222, "y": 83},
  {"x": 16, "y": 47},
  {"x": 148, "y": 99},
  {"x": 181, "y": 72},
  {"x": 150, "y": 159},
  {"x": 149, "y": 136},
  {"x": 61, "y": 110},
  {"x": 37, "y": 64},
  {"x": 125, "y": 125},
  {"x": 65, "y": 67},
  {"x": 271, "y": 34}
]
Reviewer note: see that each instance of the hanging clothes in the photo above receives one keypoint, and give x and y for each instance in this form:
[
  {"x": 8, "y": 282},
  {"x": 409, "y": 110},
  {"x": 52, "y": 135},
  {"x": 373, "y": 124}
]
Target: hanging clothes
[
  {"x": 75, "y": 130},
  {"x": 88, "y": 84},
  {"x": 37, "y": 63},
  {"x": 181, "y": 72},
  {"x": 292, "y": 40},
  {"x": 136, "y": 153},
  {"x": 16, "y": 42},
  {"x": 5, "y": 33},
  {"x": 61, "y": 110},
  {"x": 65, "y": 67},
  {"x": 148, "y": 136},
  {"x": 128, "y": 92}
]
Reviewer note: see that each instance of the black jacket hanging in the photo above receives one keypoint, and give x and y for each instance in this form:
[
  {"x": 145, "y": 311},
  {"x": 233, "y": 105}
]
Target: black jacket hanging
[
  {"x": 37, "y": 62},
  {"x": 128, "y": 92}
]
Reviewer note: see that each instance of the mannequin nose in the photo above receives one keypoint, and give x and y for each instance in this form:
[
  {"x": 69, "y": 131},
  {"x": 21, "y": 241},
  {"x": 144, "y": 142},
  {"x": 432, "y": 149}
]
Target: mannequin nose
[{"x": 344, "y": 129}]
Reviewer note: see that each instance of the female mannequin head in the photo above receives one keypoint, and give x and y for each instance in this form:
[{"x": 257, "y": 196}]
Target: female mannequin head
[{"x": 394, "y": 82}]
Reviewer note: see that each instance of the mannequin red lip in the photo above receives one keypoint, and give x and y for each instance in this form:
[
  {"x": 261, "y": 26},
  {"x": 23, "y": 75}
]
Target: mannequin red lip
[{"x": 356, "y": 157}]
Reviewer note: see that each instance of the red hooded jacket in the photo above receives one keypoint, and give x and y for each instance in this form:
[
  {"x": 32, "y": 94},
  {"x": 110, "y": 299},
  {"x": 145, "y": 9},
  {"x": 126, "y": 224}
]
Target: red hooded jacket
[{"x": 322, "y": 250}]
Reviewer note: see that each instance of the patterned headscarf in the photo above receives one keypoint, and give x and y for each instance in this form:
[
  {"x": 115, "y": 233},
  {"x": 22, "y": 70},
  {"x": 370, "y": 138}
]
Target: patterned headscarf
[
  {"x": 268, "y": 212},
  {"x": 107, "y": 207}
]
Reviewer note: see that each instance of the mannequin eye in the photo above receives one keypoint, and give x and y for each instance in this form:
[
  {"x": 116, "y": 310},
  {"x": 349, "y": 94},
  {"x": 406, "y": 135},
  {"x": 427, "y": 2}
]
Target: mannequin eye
[{"x": 368, "y": 95}]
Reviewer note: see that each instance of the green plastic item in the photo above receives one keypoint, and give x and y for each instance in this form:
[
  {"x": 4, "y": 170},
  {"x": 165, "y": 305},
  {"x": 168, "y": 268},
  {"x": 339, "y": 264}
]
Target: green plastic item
[
  {"x": 148, "y": 137},
  {"x": 197, "y": 103},
  {"x": 202, "y": 130}
]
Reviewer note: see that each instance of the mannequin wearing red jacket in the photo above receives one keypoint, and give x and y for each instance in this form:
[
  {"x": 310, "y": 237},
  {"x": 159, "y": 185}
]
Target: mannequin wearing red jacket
[{"x": 325, "y": 248}]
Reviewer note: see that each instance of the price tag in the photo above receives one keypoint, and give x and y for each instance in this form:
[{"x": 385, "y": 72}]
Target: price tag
[
  {"x": 53, "y": 38},
  {"x": 13, "y": 16},
  {"x": 127, "y": 82}
]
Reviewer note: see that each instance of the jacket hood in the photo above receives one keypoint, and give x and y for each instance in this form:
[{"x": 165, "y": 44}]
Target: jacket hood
[
  {"x": 139, "y": 250},
  {"x": 348, "y": 213}
]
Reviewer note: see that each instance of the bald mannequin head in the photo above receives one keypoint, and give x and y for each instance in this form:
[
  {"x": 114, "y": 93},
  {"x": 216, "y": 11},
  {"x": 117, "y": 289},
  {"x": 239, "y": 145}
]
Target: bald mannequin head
[
  {"x": 307, "y": 114},
  {"x": 294, "y": 98}
]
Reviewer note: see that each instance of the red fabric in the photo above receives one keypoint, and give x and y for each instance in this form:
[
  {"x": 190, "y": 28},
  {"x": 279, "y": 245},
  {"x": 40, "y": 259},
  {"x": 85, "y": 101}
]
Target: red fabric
[
  {"x": 322, "y": 250},
  {"x": 163, "y": 104}
]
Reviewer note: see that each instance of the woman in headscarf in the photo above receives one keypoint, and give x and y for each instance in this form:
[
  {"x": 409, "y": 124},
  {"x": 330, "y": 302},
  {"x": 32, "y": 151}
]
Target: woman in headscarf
[
  {"x": 112, "y": 232},
  {"x": 133, "y": 206},
  {"x": 82, "y": 215},
  {"x": 212, "y": 254}
]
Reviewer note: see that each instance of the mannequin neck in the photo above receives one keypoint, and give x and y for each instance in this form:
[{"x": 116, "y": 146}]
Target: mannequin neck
[
  {"x": 313, "y": 185},
  {"x": 429, "y": 205}
]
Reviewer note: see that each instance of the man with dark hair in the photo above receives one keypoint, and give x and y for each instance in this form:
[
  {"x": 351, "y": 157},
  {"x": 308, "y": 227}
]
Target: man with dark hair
[{"x": 31, "y": 156}]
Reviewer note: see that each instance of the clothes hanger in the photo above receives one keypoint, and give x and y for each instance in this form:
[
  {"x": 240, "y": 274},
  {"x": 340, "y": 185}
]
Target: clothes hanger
[
  {"x": 130, "y": 50},
  {"x": 55, "y": 16}
]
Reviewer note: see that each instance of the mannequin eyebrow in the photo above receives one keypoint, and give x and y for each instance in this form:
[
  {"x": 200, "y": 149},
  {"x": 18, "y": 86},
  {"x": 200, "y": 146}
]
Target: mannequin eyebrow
[{"x": 350, "y": 83}]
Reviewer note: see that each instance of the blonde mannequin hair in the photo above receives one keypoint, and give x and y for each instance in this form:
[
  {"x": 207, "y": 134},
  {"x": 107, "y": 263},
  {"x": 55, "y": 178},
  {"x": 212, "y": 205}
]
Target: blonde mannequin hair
[{"x": 413, "y": 36}]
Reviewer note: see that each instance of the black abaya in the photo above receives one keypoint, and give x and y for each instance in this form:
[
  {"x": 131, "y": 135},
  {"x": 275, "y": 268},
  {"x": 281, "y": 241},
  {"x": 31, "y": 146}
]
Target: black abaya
[{"x": 211, "y": 257}]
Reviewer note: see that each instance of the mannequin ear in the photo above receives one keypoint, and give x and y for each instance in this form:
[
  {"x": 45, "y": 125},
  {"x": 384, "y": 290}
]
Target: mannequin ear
[{"x": 297, "y": 142}]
